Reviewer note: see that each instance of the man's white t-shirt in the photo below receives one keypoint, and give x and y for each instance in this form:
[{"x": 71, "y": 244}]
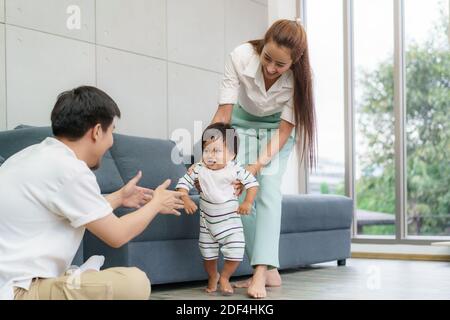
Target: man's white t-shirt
[{"x": 47, "y": 195}]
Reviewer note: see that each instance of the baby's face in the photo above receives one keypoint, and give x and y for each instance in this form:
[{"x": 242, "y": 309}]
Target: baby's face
[{"x": 216, "y": 155}]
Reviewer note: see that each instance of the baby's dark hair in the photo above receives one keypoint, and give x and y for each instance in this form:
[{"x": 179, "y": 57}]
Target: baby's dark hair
[{"x": 224, "y": 131}]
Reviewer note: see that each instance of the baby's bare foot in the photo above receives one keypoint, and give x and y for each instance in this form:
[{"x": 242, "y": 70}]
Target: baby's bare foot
[
  {"x": 225, "y": 286},
  {"x": 212, "y": 284}
]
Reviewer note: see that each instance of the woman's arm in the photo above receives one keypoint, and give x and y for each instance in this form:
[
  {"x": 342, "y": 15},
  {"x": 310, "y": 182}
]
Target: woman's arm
[
  {"x": 229, "y": 91},
  {"x": 277, "y": 141},
  {"x": 223, "y": 113}
]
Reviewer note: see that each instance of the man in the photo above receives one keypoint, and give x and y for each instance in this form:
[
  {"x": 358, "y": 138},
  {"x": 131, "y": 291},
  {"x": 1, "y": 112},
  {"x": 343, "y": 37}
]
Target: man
[{"x": 49, "y": 196}]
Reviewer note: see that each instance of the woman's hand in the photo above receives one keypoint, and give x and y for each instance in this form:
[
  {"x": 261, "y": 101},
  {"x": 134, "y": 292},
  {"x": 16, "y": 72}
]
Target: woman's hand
[
  {"x": 254, "y": 169},
  {"x": 191, "y": 168},
  {"x": 167, "y": 201},
  {"x": 238, "y": 188},
  {"x": 196, "y": 183}
]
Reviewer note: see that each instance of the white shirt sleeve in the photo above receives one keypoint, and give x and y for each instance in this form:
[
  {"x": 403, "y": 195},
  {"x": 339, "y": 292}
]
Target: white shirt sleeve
[
  {"x": 187, "y": 181},
  {"x": 79, "y": 199},
  {"x": 245, "y": 177},
  {"x": 288, "y": 111},
  {"x": 229, "y": 89}
]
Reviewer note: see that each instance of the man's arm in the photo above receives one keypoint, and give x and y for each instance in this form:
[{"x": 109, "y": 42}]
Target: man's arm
[
  {"x": 116, "y": 231},
  {"x": 114, "y": 199}
]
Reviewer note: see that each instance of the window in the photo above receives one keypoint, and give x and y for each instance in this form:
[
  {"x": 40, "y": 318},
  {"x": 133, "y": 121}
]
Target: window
[
  {"x": 397, "y": 64},
  {"x": 427, "y": 117},
  {"x": 374, "y": 117},
  {"x": 326, "y": 55}
]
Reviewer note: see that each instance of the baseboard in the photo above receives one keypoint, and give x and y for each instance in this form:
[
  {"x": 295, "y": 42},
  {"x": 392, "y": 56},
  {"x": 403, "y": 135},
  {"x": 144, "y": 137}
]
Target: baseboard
[{"x": 400, "y": 256}]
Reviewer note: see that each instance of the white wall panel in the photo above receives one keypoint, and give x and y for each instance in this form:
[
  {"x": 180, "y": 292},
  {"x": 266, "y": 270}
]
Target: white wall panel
[
  {"x": 263, "y": 2},
  {"x": 2, "y": 10},
  {"x": 138, "y": 85},
  {"x": 137, "y": 26},
  {"x": 53, "y": 16},
  {"x": 2, "y": 79},
  {"x": 39, "y": 67},
  {"x": 196, "y": 33},
  {"x": 193, "y": 96},
  {"x": 244, "y": 20}
]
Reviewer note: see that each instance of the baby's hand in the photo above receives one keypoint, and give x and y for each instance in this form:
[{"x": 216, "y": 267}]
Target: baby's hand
[
  {"x": 245, "y": 208},
  {"x": 189, "y": 206}
]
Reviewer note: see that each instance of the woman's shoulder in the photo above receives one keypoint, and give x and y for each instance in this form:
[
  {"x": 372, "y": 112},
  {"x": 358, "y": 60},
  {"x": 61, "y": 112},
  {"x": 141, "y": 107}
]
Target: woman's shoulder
[{"x": 243, "y": 53}]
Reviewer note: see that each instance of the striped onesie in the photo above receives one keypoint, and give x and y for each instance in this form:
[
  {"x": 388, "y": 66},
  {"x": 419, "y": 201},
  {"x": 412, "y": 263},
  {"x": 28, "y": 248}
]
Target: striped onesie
[{"x": 220, "y": 224}]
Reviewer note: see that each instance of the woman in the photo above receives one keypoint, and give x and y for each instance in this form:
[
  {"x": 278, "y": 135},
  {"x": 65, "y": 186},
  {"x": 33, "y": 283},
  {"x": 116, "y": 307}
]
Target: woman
[{"x": 266, "y": 93}]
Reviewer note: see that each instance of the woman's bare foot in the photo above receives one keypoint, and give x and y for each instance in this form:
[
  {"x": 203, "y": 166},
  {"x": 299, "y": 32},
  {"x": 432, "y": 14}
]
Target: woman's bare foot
[
  {"x": 243, "y": 284},
  {"x": 273, "y": 279},
  {"x": 212, "y": 284},
  {"x": 225, "y": 286},
  {"x": 257, "y": 288}
]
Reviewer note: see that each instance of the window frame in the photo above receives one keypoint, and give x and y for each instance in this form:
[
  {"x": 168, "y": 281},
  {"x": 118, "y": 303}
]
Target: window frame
[{"x": 401, "y": 233}]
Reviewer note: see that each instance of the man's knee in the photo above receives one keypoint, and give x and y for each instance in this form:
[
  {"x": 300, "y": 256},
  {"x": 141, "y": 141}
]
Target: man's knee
[{"x": 135, "y": 285}]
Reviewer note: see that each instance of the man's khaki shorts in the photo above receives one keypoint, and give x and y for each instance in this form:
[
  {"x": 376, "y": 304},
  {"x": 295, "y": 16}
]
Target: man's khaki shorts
[{"x": 110, "y": 284}]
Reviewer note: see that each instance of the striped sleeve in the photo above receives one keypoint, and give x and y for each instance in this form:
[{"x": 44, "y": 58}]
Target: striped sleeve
[
  {"x": 187, "y": 181},
  {"x": 245, "y": 177}
]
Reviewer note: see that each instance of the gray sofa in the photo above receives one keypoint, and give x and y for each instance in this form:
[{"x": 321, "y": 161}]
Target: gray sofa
[{"x": 314, "y": 228}]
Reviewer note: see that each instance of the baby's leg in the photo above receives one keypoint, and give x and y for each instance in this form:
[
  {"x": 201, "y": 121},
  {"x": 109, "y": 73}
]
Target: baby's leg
[
  {"x": 213, "y": 275},
  {"x": 229, "y": 267},
  {"x": 209, "y": 249},
  {"x": 233, "y": 251}
]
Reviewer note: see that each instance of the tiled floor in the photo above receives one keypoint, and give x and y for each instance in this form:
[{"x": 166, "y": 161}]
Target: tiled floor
[{"x": 360, "y": 279}]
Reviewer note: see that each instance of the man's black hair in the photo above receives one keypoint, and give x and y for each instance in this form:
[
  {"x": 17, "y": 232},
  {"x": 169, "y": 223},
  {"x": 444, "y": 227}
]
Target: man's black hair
[
  {"x": 224, "y": 131},
  {"x": 78, "y": 110}
]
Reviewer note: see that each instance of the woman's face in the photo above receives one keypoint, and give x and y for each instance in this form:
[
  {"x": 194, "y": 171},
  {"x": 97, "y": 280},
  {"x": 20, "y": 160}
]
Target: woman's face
[{"x": 275, "y": 60}]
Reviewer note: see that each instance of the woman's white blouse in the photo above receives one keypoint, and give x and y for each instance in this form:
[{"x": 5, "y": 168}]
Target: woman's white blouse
[{"x": 243, "y": 83}]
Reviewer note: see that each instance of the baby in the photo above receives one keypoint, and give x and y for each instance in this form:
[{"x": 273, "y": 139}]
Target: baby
[{"x": 220, "y": 223}]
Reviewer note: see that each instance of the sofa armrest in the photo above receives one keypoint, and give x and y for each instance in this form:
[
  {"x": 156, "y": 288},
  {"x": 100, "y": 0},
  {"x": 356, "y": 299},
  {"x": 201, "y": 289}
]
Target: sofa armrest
[{"x": 306, "y": 212}]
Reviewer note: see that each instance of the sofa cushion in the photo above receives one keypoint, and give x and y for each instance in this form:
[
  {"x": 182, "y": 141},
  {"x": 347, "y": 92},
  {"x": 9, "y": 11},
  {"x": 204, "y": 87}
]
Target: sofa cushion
[
  {"x": 301, "y": 213},
  {"x": 13, "y": 141},
  {"x": 108, "y": 176},
  {"x": 23, "y": 126},
  {"x": 309, "y": 212},
  {"x": 152, "y": 156}
]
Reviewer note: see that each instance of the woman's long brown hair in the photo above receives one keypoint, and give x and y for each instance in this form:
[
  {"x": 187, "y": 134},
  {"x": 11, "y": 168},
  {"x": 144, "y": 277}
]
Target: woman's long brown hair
[{"x": 292, "y": 35}]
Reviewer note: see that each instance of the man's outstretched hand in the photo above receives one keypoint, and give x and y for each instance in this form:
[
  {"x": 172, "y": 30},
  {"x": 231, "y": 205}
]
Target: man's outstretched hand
[
  {"x": 134, "y": 196},
  {"x": 168, "y": 201}
]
